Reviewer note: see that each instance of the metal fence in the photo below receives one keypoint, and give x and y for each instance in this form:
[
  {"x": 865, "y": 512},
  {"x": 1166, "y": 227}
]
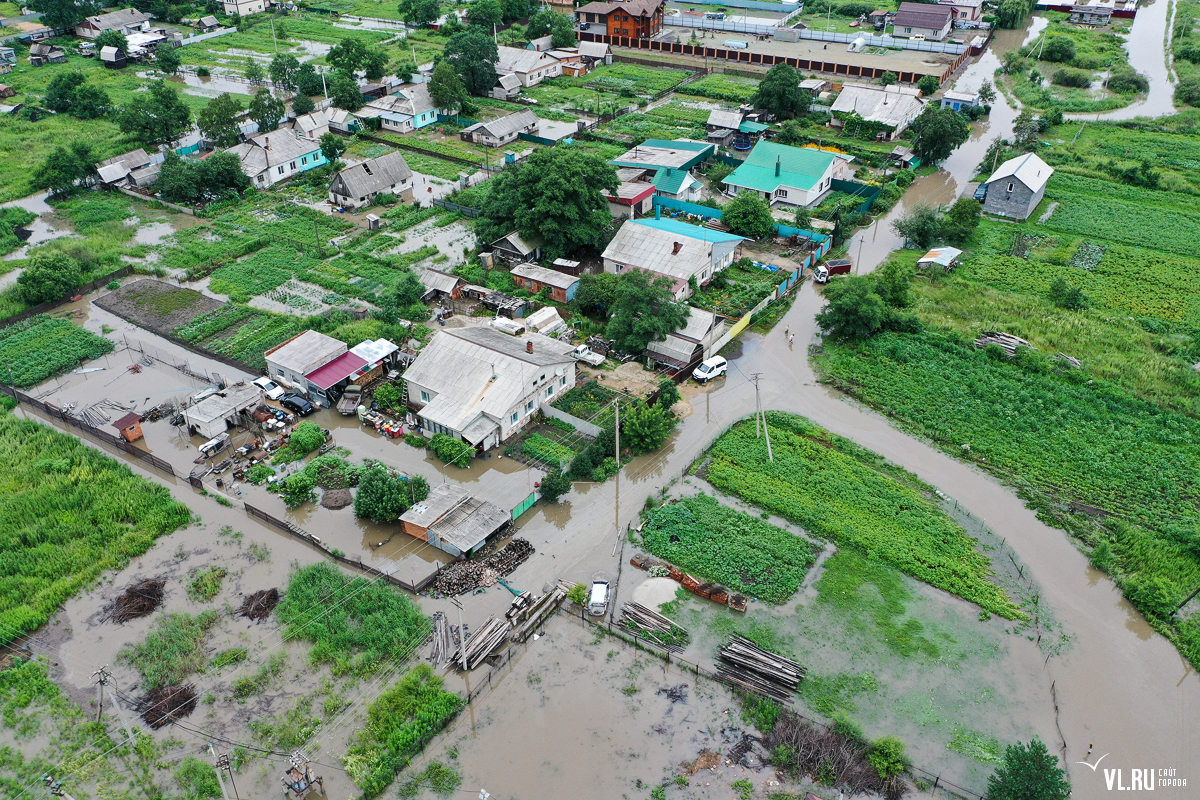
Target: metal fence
[
  {"x": 884, "y": 41},
  {"x": 51, "y": 410},
  {"x": 466, "y": 211}
]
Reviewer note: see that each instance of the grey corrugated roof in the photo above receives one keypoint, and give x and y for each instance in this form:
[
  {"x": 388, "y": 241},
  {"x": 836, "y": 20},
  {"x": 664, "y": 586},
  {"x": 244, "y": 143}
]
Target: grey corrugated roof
[
  {"x": 499, "y": 128},
  {"x": 117, "y": 19},
  {"x": 132, "y": 160},
  {"x": 891, "y": 105},
  {"x": 223, "y": 404},
  {"x": 453, "y": 516},
  {"x": 549, "y": 277},
  {"x": 371, "y": 176},
  {"x": 594, "y": 49},
  {"x": 299, "y": 353},
  {"x": 441, "y": 499},
  {"x": 650, "y": 248},
  {"x": 699, "y": 323},
  {"x": 515, "y": 241},
  {"x": 1028, "y": 169},
  {"x": 509, "y": 81},
  {"x": 725, "y": 119},
  {"x": 672, "y": 350},
  {"x": 209, "y": 21},
  {"x": 434, "y": 280},
  {"x": 514, "y": 59},
  {"x": 268, "y": 150}
]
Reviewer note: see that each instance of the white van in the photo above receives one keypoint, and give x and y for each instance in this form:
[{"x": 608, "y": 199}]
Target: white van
[
  {"x": 598, "y": 598},
  {"x": 714, "y": 367}
]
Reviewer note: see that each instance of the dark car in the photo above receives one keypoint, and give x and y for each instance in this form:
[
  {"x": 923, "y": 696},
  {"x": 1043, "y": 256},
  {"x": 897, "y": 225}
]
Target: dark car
[
  {"x": 296, "y": 404},
  {"x": 981, "y": 192}
]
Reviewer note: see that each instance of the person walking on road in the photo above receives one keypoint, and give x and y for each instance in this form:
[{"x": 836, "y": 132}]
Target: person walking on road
[{"x": 791, "y": 339}]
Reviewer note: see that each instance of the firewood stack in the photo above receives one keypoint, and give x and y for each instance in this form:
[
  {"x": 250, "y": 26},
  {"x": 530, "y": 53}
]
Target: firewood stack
[
  {"x": 746, "y": 664},
  {"x": 482, "y": 643}
]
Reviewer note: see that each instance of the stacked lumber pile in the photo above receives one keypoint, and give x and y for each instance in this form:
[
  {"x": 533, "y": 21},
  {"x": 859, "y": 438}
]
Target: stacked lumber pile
[
  {"x": 466, "y": 576},
  {"x": 746, "y": 664},
  {"x": 481, "y": 644},
  {"x": 530, "y": 616},
  {"x": 444, "y": 640},
  {"x": 638, "y": 618},
  {"x": 1007, "y": 341}
]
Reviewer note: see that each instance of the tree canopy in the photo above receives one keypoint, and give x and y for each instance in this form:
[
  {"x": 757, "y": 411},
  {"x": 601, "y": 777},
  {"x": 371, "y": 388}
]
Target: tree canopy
[
  {"x": 302, "y": 104},
  {"x": 473, "y": 55},
  {"x": 1029, "y": 772},
  {"x": 308, "y": 81},
  {"x": 332, "y": 146},
  {"x": 597, "y": 292},
  {"x": 351, "y": 55},
  {"x": 860, "y": 306},
  {"x": 49, "y": 275},
  {"x": 344, "y": 91},
  {"x": 112, "y": 39},
  {"x": 446, "y": 88},
  {"x": 779, "y": 93},
  {"x": 157, "y": 116},
  {"x": 749, "y": 215},
  {"x": 63, "y": 14},
  {"x": 485, "y": 14},
  {"x": 419, "y": 12},
  {"x": 643, "y": 311},
  {"x": 554, "y": 485},
  {"x": 937, "y": 132},
  {"x": 382, "y": 497},
  {"x": 266, "y": 109},
  {"x": 557, "y": 196},
  {"x": 283, "y": 70},
  {"x": 549, "y": 22},
  {"x": 168, "y": 59},
  {"x": 219, "y": 120},
  {"x": 70, "y": 93},
  {"x": 63, "y": 167},
  {"x": 186, "y": 180}
]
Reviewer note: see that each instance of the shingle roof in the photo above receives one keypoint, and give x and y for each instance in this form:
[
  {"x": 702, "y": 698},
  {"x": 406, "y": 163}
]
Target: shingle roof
[
  {"x": 922, "y": 15},
  {"x": 635, "y": 8},
  {"x": 458, "y": 365},
  {"x": 1028, "y": 169},
  {"x": 549, "y": 277},
  {"x": 650, "y": 244},
  {"x": 372, "y": 176},
  {"x": 499, "y": 128},
  {"x": 890, "y": 105},
  {"x": 730, "y": 120},
  {"x": 311, "y": 122},
  {"x": 456, "y": 518},
  {"x": 117, "y": 19},
  {"x": 514, "y": 59},
  {"x": 800, "y": 167}
]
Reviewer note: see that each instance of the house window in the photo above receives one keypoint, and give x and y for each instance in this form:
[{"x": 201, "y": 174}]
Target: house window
[
  {"x": 529, "y": 407},
  {"x": 424, "y": 396},
  {"x": 280, "y": 169},
  {"x": 515, "y": 416},
  {"x": 908, "y": 30},
  {"x": 292, "y": 166},
  {"x": 781, "y": 192},
  {"x": 549, "y": 391},
  {"x": 1012, "y": 186},
  {"x": 304, "y": 160},
  {"x": 562, "y": 381}
]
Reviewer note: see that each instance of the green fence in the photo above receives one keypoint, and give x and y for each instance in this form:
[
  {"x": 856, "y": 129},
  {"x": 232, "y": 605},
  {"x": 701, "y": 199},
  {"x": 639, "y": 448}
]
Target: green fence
[
  {"x": 859, "y": 189},
  {"x": 524, "y": 505}
]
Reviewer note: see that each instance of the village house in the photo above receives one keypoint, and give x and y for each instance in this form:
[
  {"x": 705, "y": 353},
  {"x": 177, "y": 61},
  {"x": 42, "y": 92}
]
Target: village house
[
  {"x": 888, "y": 109},
  {"x": 732, "y": 129},
  {"x": 482, "y": 386},
  {"x": 358, "y": 366},
  {"x": 358, "y": 186},
  {"x": 686, "y": 347},
  {"x": 964, "y": 10},
  {"x": 216, "y": 413},
  {"x": 657, "y": 154},
  {"x": 513, "y": 249},
  {"x": 125, "y": 21},
  {"x": 311, "y": 126},
  {"x": 439, "y": 286},
  {"x": 1017, "y": 186},
  {"x": 793, "y": 176},
  {"x": 342, "y": 121},
  {"x": 273, "y": 157},
  {"x": 243, "y": 8},
  {"x": 960, "y": 101},
  {"x": 677, "y": 184},
  {"x": 541, "y": 44},
  {"x": 677, "y": 250},
  {"x": 208, "y": 24},
  {"x": 408, "y": 110},
  {"x": 533, "y": 278},
  {"x": 288, "y": 363},
  {"x": 632, "y": 199},
  {"x": 507, "y": 87},
  {"x": 134, "y": 168},
  {"x": 500, "y": 132},
  {"x": 931, "y": 22},
  {"x": 452, "y": 520},
  {"x": 637, "y": 19},
  {"x": 530, "y": 66}
]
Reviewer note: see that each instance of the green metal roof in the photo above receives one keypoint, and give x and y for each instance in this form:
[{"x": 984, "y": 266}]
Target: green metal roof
[
  {"x": 752, "y": 127},
  {"x": 691, "y": 231},
  {"x": 671, "y": 181},
  {"x": 800, "y": 167}
]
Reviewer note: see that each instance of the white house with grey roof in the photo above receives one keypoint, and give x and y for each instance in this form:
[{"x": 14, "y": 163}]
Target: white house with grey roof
[
  {"x": 409, "y": 109},
  {"x": 482, "y": 386},
  {"x": 1017, "y": 186},
  {"x": 892, "y": 107},
  {"x": 269, "y": 158},
  {"x": 125, "y": 21},
  {"x": 290, "y": 362},
  {"x": 530, "y": 66},
  {"x": 673, "y": 249},
  {"x": 357, "y": 186},
  {"x": 500, "y": 132}
]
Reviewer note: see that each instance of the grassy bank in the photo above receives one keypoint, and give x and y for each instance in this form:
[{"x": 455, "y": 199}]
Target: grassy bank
[{"x": 68, "y": 513}]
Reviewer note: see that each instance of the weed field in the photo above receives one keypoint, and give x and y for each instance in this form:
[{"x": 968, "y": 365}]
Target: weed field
[
  {"x": 43, "y": 347},
  {"x": 718, "y": 86},
  {"x": 730, "y": 547},
  {"x": 833, "y": 488},
  {"x": 68, "y": 513}
]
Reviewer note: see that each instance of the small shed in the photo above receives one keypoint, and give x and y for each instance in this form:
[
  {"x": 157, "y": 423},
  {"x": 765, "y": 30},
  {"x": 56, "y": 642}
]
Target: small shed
[
  {"x": 113, "y": 57},
  {"x": 452, "y": 520},
  {"x": 814, "y": 85},
  {"x": 130, "y": 427},
  {"x": 516, "y": 250},
  {"x": 944, "y": 257},
  {"x": 208, "y": 24},
  {"x": 904, "y": 157},
  {"x": 566, "y": 266},
  {"x": 960, "y": 101},
  {"x": 1091, "y": 15},
  {"x": 561, "y": 287},
  {"x": 213, "y": 415}
]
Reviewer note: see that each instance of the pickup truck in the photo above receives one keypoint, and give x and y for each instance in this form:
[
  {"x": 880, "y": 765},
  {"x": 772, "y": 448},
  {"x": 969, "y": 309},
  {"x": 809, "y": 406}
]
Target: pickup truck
[
  {"x": 838, "y": 266},
  {"x": 349, "y": 401},
  {"x": 585, "y": 354}
]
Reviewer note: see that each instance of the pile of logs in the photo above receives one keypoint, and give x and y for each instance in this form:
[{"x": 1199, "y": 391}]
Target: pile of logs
[
  {"x": 1007, "y": 341},
  {"x": 481, "y": 644},
  {"x": 458, "y": 578},
  {"x": 509, "y": 557},
  {"x": 527, "y": 616},
  {"x": 746, "y": 664},
  {"x": 654, "y": 626},
  {"x": 466, "y": 576}
]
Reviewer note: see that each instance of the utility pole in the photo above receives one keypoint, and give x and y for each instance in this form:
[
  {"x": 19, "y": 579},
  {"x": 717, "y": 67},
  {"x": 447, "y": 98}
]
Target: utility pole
[
  {"x": 55, "y": 787},
  {"x": 217, "y": 769},
  {"x": 273, "y": 39},
  {"x": 317, "y": 236},
  {"x": 617, "y": 447},
  {"x": 462, "y": 634},
  {"x": 103, "y": 676},
  {"x": 758, "y": 411}
]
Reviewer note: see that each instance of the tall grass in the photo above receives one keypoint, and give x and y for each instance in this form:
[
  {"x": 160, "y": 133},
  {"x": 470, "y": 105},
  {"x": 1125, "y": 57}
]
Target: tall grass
[
  {"x": 172, "y": 651},
  {"x": 68, "y": 513}
]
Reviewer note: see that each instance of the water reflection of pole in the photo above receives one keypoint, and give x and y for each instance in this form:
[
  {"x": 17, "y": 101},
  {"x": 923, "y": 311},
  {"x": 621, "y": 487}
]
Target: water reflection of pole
[{"x": 617, "y": 499}]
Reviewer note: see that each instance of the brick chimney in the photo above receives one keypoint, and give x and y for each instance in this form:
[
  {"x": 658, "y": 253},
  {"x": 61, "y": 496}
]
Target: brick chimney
[
  {"x": 529, "y": 346},
  {"x": 267, "y": 144},
  {"x": 676, "y": 248}
]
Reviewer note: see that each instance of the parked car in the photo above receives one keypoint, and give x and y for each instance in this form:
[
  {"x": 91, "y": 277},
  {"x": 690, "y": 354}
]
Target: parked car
[
  {"x": 837, "y": 266},
  {"x": 270, "y": 388},
  {"x": 981, "y": 192},
  {"x": 587, "y": 355},
  {"x": 583, "y": 26},
  {"x": 598, "y": 598},
  {"x": 714, "y": 367},
  {"x": 297, "y": 404}
]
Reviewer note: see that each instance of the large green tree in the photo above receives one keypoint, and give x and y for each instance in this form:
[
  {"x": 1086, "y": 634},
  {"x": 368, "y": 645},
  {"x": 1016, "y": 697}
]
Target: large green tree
[
  {"x": 854, "y": 311},
  {"x": 219, "y": 120},
  {"x": 1029, "y": 772},
  {"x": 266, "y": 109},
  {"x": 749, "y": 215},
  {"x": 382, "y": 497},
  {"x": 549, "y": 22},
  {"x": 157, "y": 116},
  {"x": 779, "y": 93},
  {"x": 283, "y": 70},
  {"x": 60, "y": 171},
  {"x": 473, "y": 55},
  {"x": 557, "y": 196},
  {"x": 485, "y": 14},
  {"x": 597, "y": 292},
  {"x": 446, "y": 88},
  {"x": 186, "y": 180},
  {"x": 344, "y": 91},
  {"x": 167, "y": 59},
  {"x": 937, "y": 132},
  {"x": 113, "y": 39},
  {"x": 69, "y": 93},
  {"x": 63, "y": 14},
  {"x": 351, "y": 55},
  {"x": 48, "y": 275},
  {"x": 644, "y": 428},
  {"x": 332, "y": 146},
  {"x": 419, "y": 12},
  {"x": 644, "y": 310},
  {"x": 921, "y": 225},
  {"x": 302, "y": 104},
  {"x": 308, "y": 81}
]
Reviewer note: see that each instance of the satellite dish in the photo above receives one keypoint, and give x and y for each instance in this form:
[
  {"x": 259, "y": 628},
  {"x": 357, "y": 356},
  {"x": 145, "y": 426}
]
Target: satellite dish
[{"x": 560, "y": 371}]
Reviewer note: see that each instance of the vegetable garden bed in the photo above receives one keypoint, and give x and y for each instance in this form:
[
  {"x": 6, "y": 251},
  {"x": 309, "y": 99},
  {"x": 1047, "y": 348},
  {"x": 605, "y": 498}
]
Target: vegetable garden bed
[{"x": 43, "y": 347}]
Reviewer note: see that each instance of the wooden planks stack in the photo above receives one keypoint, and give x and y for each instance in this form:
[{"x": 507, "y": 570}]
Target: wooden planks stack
[
  {"x": 1007, "y": 341},
  {"x": 481, "y": 644},
  {"x": 530, "y": 617},
  {"x": 653, "y": 624},
  {"x": 746, "y": 664},
  {"x": 443, "y": 639}
]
